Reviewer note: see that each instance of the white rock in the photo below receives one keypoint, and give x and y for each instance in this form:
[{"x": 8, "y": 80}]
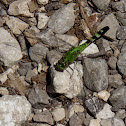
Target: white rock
[
  {"x": 4, "y": 91},
  {"x": 105, "y": 113},
  {"x": 91, "y": 49},
  {"x": 94, "y": 122},
  {"x": 42, "y": 20},
  {"x": 58, "y": 114},
  {"x": 69, "y": 82},
  {"x": 63, "y": 19},
  {"x": 60, "y": 125},
  {"x": 104, "y": 95},
  {"x": 72, "y": 40},
  {"x": 14, "y": 110},
  {"x": 118, "y": 122},
  {"x": 43, "y": 125},
  {"x": 16, "y": 25},
  {"x": 43, "y": 2},
  {"x": 20, "y": 7},
  {"x": 74, "y": 109},
  {"x": 9, "y": 48}
]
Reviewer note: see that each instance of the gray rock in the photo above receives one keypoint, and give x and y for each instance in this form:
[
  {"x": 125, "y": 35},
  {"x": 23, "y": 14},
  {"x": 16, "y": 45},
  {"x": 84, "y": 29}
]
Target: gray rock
[
  {"x": 121, "y": 32},
  {"x": 9, "y": 48},
  {"x": 77, "y": 119},
  {"x": 121, "y": 17},
  {"x": 111, "y": 21},
  {"x": 48, "y": 38},
  {"x": 2, "y": 12},
  {"x": 38, "y": 52},
  {"x": 69, "y": 82},
  {"x": 121, "y": 114},
  {"x": 24, "y": 67},
  {"x": 37, "y": 97},
  {"x": 63, "y": 19},
  {"x": 121, "y": 63},
  {"x": 118, "y": 122},
  {"x": 45, "y": 117},
  {"x": 102, "y": 4},
  {"x": 118, "y": 98},
  {"x": 95, "y": 74},
  {"x": 16, "y": 25},
  {"x": 29, "y": 75},
  {"x": 94, "y": 105},
  {"x": 115, "y": 80},
  {"x": 20, "y": 7},
  {"x": 14, "y": 110},
  {"x": 53, "y": 56},
  {"x": 112, "y": 62},
  {"x": 106, "y": 122},
  {"x": 120, "y": 5}
]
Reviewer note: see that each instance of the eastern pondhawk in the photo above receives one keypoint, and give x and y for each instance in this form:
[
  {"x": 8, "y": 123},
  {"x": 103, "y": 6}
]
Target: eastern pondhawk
[{"x": 73, "y": 52}]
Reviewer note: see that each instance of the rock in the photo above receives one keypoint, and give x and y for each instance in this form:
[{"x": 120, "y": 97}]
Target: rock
[
  {"x": 30, "y": 36},
  {"x": 68, "y": 82},
  {"x": 43, "y": 2},
  {"x": 94, "y": 105},
  {"x": 104, "y": 95},
  {"x": 22, "y": 43},
  {"x": 42, "y": 20},
  {"x": 121, "y": 114},
  {"x": 87, "y": 119},
  {"x": 121, "y": 60},
  {"x": 105, "y": 113},
  {"x": 10, "y": 51},
  {"x": 95, "y": 74},
  {"x": 20, "y": 7},
  {"x": 70, "y": 39},
  {"x": 58, "y": 114},
  {"x": 38, "y": 52},
  {"x": 91, "y": 49},
  {"x": 77, "y": 119},
  {"x": 118, "y": 122},
  {"x": 4, "y": 91},
  {"x": 121, "y": 32},
  {"x": 115, "y": 80},
  {"x": 117, "y": 98},
  {"x": 16, "y": 25},
  {"x": 120, "y": 5},
  {"x": 45, "y": 117},
  {"x": 60, "y": 125},
  {"x": 94, "y": 122},
  {"x": 75, "y": 108},
  {"x": 63, "y": 19},
  {"x": 102, "y": 5},
  {"x": 111, "y": 21},
  {"x": 4, "y": 75},
  {"x": 14, "y": 110},
  {"x": 37, "y": 97},
  {"x": 121, "y": 17},
  {"x": 53, "y": 56},
  {"x": 112, "y": 62},
  {"x": 30, "y": 74},
  {"x": 24, "y": 67},
  {"x": 2, "y": 12},
  {"x": 106, "y": 122}
]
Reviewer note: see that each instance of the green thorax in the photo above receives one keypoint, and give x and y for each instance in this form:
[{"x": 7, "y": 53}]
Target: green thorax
[{"x": 73, "y": 53}]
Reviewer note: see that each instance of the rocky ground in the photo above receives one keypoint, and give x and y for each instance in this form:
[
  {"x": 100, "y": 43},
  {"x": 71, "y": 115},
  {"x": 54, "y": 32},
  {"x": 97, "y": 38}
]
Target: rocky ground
[{"x": 34, "y": 35}]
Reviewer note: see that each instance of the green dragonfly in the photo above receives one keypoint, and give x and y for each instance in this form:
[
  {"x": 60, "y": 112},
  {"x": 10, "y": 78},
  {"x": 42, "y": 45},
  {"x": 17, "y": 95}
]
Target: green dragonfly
[{"x": 73, "y": 52}]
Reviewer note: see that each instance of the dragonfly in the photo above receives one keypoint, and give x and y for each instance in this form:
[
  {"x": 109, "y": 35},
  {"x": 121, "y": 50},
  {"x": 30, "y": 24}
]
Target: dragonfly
[{"x": 73, "y": 52}]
